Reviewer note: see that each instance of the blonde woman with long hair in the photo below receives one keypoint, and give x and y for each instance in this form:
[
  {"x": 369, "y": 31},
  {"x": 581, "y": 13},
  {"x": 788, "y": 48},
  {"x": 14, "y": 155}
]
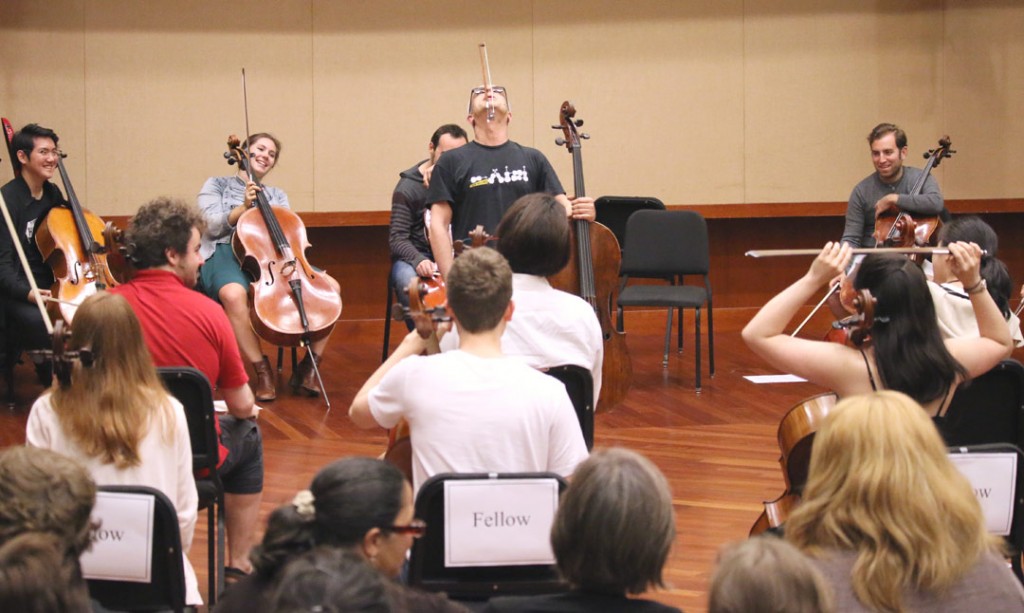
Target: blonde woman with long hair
[
  {"x": 115, "y": 417},
  {"x": 891, "y": 522}
]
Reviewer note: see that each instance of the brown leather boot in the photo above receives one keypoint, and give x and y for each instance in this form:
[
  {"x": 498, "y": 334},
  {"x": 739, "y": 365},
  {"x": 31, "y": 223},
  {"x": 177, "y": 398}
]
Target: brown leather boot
[
  {"x": 303, "y": 380},
  {"x": 265, "y": 387}
]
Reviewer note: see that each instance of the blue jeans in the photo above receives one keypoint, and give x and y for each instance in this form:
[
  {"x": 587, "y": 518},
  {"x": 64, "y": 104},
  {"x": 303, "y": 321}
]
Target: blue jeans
[{"x": 402, "y": 273}]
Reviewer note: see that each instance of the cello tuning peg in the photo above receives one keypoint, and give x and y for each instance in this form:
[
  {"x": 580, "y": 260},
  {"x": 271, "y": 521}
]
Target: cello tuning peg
[
  {"x": 579, "y": 123},
  {"x": 585, "y": 136},
  {"x": 556, "y": 127},
  {"x": 559, "y": 141}
]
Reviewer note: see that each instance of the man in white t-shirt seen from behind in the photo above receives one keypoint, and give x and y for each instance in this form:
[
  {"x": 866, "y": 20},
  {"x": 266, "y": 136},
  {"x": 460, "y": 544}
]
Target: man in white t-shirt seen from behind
[{"x": 473, "y": 409}]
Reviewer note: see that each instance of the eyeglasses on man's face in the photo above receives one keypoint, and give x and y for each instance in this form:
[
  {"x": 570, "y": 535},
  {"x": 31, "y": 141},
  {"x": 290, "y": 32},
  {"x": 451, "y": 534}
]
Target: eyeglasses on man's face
[{"x": 477, "y": 91}]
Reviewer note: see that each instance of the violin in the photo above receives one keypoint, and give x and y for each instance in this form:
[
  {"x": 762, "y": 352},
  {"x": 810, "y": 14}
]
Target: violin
[
  {"x": 593, "y": 273},
  {"x": 428, "y": 302},
  {"x": 292, "y": 304},
  {"x": 72, "y": 243},
  {"x": 62, "y": 358}
]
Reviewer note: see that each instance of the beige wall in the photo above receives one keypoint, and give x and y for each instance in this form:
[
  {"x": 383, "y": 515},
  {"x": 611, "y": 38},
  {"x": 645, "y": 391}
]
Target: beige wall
[{"x": 695, "y": 102}]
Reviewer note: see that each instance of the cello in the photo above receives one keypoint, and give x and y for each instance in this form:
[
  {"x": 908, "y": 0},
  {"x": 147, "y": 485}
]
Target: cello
[
  {"x": 292, "y": 303},
  {"x": 71, "y": 242},
  {"x": 798, "y": 427},
  {"x": 593, "y": 273}
]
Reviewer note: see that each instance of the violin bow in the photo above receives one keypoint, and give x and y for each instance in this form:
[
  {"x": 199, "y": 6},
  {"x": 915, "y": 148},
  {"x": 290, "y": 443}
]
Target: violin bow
[
  {"x": 485, "y": 67},
  {"x": 771, "y": 253}
]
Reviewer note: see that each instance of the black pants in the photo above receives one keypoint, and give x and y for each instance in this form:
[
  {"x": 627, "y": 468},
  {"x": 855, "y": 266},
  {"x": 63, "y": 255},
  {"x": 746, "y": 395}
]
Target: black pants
[{"x": 24, "y": 328}]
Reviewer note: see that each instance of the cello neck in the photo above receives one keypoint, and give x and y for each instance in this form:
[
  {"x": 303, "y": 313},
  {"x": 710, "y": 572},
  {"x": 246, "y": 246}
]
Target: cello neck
[
  {"x": 81, "y": 225},
  {"x": 277, "y": 236},
  {"x": 585, "y": 258}
]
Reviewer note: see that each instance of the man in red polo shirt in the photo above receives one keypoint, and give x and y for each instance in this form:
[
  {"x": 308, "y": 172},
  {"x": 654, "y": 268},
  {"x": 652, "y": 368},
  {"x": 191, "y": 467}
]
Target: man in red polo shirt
[{"x": 182, "y": 327}]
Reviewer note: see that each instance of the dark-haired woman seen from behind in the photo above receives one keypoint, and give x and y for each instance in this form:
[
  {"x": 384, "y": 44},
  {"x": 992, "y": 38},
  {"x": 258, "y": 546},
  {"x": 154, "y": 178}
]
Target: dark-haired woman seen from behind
[
  {"x": 359, "y": 504},
  {"x": 611, "y": 537},
  {"x": 330, "y": 580},
  {"x": 952, "y": 304},
  {"x": 906, "y": 352}
]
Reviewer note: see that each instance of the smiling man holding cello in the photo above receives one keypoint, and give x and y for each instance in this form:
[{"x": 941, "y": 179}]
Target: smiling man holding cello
[
  {"x": 29, "y": 196},
  {"x": 889, "y": 187}
]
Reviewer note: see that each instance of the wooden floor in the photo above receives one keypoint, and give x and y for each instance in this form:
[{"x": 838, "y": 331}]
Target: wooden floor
[{"x": 717, "y": 448}]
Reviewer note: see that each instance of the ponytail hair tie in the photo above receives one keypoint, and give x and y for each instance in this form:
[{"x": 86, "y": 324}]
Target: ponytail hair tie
[{"x": 303, "y": 503}]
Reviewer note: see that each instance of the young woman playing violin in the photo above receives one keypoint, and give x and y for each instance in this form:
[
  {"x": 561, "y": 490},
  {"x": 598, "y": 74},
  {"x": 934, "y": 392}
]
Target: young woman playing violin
[
  {"x": 905, "y": 351},
  {"x": 952, "y": 304},
  {"x": 222, "y": 201}
]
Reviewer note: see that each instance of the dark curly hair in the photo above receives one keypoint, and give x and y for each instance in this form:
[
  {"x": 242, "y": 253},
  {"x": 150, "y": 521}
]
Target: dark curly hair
[{"x": 161, "y": 224}]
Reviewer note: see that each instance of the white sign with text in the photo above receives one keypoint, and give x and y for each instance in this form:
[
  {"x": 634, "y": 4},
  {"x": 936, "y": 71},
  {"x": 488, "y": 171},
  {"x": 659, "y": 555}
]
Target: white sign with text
[
  {"x": 993, "y": 478},
  {"x": 122, "y": 547},
  {"x": 499, "y": 522}
]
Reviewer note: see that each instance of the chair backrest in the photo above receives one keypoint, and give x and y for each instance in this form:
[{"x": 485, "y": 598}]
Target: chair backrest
[
  {"x": 193, "y": 391},
  {"x": 662, "y": 244},
  {"x": 121, "y": 549},
  {"x": 614, "y": 211},
  {"x": 996, "y": 476},
  {"x": 988, "y": 409},
  {"x": 429, "y": 566},
  {"x": 579, "y": 383}
]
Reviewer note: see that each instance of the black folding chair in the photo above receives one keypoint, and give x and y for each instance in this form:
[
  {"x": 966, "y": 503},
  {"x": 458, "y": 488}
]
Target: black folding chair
[
  {"x": 669, "y": 245},
  {"x": 166, "y": 588},
  {"x": 1015, "y": 539},
  {"x": 988, "y": 409},
  {"x": 427, "y": 568},
  {"x": 579, "y": 384},
  {"x": 614, "y": 211},
  {"x": 193, "y": 391}
]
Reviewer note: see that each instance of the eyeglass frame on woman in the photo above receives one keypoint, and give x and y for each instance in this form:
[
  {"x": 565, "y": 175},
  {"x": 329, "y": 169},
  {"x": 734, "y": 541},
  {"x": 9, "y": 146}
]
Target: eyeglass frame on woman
[
  {"x": 416, "y": 528},
  {"x": 497, "y": 89}
]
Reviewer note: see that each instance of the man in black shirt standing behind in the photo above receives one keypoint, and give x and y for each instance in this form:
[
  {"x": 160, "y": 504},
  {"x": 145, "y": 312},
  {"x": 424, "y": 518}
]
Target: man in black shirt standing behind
[{"x": 475, "y": 185}]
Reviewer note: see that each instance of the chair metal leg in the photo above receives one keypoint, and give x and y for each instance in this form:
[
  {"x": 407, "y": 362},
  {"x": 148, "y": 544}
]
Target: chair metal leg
[
  {"x": 679, "y": 331},
  {"x": 221, "y": 546},
  {"x": 668, "y": 339},
  {"x": 711, "y": 341},
  {"x": 696, "y": 344},
  {"x": 387, "y": 323}
]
